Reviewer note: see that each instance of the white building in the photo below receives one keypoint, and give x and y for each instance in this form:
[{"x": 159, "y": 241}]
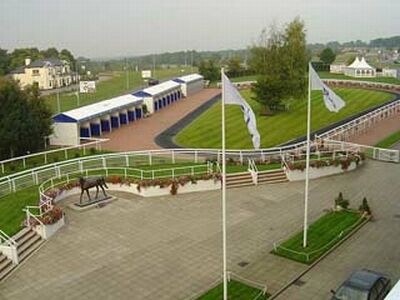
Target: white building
[
  {"x": 360, "y": 68},
  {"x": 160, "y": 96},
  {"x": 191, "y": 84},
  {"x": 46, "y": 73},
  {"x": 395, "y": 73},
  {"x": 337, "y": 69},
  {"x": 95, "y": 119}
]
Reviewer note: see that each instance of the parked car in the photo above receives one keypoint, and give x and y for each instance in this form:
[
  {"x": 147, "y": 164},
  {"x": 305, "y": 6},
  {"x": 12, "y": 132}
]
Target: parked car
[
  {"x": 363, "y": 285},
  {"x": 152, "y": 81},
  {"x": 394, "y": 292}
]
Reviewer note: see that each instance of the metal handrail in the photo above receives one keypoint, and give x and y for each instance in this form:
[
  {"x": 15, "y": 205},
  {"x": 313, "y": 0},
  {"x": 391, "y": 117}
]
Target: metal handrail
[{"x": 7, "y": 239}]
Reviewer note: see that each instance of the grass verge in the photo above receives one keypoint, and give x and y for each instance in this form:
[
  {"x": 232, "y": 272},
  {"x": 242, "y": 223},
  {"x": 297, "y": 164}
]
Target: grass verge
[
  {"x": 328, "y": 75},
  {"x": 323, "y": 234},
  {"x": 389, "y": 140},
  {"x": 205, "y": 131},
  {"x": 236, "y": 291}
]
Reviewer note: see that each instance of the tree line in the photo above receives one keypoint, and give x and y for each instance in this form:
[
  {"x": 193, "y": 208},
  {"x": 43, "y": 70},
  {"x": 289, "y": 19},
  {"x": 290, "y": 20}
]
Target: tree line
[
  {"x": 25, "y": 120},
  {"x": 11, "y": 60}
]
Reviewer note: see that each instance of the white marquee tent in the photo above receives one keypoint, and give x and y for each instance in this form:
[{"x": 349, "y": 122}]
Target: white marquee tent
[{"x": 360, "y": 68}]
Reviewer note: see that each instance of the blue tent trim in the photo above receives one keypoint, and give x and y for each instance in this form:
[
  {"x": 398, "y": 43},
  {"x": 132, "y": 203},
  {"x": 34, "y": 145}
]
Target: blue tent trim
[
  {"x": 61, "y": 118},
  {"x": 141, "y": 94},
  {"x": 178, "y": 80}
]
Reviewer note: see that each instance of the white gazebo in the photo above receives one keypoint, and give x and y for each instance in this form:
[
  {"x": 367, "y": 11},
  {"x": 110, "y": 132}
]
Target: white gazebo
[{"x": 360, "y": 68}]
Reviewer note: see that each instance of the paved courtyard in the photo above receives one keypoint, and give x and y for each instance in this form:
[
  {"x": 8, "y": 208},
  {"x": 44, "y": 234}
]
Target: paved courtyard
[
  {"x": 140, "y": 135},
  {"x": 170, "y": 247}
]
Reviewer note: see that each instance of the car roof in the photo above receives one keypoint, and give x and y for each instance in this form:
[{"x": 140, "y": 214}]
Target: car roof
[{"x": 363, "y": 279}]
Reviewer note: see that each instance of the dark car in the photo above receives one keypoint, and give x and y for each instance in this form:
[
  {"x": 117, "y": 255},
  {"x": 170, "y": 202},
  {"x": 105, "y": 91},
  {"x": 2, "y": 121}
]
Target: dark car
[
  {"x": 152, "y": 81},
  {"x": 363, "y": 285}
]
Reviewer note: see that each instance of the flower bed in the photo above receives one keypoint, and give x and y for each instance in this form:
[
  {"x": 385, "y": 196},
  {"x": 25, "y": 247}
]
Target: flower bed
[
  {"x": 146, "y": 187},
  {"x": 325, "y": 167},
  {"x": 51, "y": 222}
]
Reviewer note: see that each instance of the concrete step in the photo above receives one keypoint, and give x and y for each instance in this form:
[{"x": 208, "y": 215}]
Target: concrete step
[
  {"x": 28, "y": 243},
  {"x": 5, "y": 269},
  {"x": 26, "y": 237},
  {"x": 2, "y": 258},
  {"x": 239, "y": 184},
  {"x": 32, "y": 248},
  {"x": 273, "y": 181},
  {"x": 21, "y": 234}
]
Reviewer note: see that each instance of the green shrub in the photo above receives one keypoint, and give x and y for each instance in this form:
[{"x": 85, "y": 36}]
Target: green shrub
[
  {"x": 340, "y": 201},
  {"x": 92, "y": 151},
  {"x": 364, "y": 207}
]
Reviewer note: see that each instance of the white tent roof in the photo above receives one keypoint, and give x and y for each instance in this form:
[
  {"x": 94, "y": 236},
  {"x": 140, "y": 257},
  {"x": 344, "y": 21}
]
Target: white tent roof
[
  {"x": 98, "y": 109},
  {"x": 360, "y": 64},
  {"x": 190, "y": 78},
  {"x": 161, "y": 88}
]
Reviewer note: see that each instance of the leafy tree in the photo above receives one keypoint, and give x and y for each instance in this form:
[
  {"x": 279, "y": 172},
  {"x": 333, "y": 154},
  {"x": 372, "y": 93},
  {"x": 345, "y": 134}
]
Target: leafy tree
[
  {"x": 4, "y": 62},
  {"x": 67, "y": 55},
  {"x": 25, "y": 121},
  {"x": 50, "y": 53},
  {"x": 18, "y": 56},
  {"x": 209, "y": 69},
  {"x": 280, "y": 57},
  {"x": 234, "y": 67},
  {"x": 327, "y": 56},
  {"x": 294, "y": 59}
]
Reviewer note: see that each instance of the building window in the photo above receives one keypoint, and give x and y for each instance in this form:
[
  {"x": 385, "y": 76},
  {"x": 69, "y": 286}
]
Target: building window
[{"x": 35, "y": 72}]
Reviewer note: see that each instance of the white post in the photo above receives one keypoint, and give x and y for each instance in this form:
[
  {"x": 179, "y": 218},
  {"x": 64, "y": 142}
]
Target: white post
[
  {"x": 307, "y": 160},
  {"x": 225, "y": 281}
]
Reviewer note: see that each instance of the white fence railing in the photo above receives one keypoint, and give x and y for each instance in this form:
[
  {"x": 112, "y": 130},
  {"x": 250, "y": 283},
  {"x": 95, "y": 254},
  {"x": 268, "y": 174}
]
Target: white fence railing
[
  {"x": 363, "y": 123},
  {"x": 44, "y": 156}
]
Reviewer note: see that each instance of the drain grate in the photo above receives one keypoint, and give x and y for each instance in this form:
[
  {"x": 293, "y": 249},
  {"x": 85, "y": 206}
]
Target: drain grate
[
  {"x": 243, "y": 264},
  {"x": 299, "y": 282}
]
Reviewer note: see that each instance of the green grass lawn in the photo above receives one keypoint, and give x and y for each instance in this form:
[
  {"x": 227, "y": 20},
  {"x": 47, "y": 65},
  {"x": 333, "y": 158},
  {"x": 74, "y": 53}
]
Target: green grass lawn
[
  {"x": 390, "y": 80},
  {"x": 321, "y": 233},
  {"x": 236, "y": 291},
  {"x": 110, "y": 88},
  {"x": 11, "y": 214},
  {"x": 205, "y": 131},
  {"x": 389, "y": 140}
]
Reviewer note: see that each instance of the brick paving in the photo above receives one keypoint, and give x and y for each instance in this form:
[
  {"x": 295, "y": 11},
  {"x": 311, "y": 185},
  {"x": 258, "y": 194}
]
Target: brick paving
[
  {"x": 170, "y": 247},
  {"x": 140, "y": 135}
]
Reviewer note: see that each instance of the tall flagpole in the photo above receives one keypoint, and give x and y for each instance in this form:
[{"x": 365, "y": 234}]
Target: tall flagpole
[
  {"x": 307, "y": 160},
  {"x": 225, "y": 277}
]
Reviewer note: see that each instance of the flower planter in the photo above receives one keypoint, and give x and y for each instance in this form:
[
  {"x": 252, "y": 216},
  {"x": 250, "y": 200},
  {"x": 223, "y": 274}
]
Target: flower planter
[
  {"x": 46, "y": 231},
  {"x": 297, "y": 175},
  {"x": 150, "y": 191}
]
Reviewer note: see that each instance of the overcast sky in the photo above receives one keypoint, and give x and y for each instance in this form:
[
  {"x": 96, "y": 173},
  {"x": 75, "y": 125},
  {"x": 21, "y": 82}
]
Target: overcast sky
[{"x": 107, "y": 28}]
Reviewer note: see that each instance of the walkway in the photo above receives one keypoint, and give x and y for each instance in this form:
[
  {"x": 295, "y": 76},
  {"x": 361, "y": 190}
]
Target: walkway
[
  {"x": 380, "y": 131},
  {"x": 170, "y": 247},
  {"x": 140, "y": 135}
]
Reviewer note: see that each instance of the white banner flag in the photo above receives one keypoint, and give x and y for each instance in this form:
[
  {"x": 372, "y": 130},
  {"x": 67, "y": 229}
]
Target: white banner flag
[
  {"x": 332, "y": 101},
  {"x": 232, "y": 96}
]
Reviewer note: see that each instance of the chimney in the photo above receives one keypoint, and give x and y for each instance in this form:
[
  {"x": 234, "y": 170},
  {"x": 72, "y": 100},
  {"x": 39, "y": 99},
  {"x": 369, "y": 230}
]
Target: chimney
[{"x": 27, "y": 61}]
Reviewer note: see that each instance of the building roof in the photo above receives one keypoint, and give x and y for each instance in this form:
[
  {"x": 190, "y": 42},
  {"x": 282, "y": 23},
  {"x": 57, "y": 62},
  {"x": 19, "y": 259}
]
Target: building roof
[
  {"x": 189, "y": 78},
  {"x": 360, "y": 64},
  {"x": 39, "y": 63},
  {"x": 19, "y": 70},
  {"x": 98, "y": 109},
  {"x": 157, "y": 89}
]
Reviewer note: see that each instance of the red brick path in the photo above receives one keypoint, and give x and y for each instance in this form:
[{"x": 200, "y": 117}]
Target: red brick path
[
  {"x": 379, "y": 131},
  {"x": 140, "y": 135}
]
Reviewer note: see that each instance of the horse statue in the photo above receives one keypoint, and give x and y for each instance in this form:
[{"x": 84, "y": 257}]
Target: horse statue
[{"x": 87, "y": 183}]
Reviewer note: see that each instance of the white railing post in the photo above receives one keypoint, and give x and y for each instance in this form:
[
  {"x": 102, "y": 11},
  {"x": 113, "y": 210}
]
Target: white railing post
[
  {"x": 127, "y": 160},
  {"x": 152, "y": 174},
  {"x": 24, "y": 162},
  {"x": 150, "y": 159},
  {"x": 125, "y": 173},
  {"x": 173, "y": 173},
  {"x": 173, "y": 156},
  {"x": 2, "y": 168}
]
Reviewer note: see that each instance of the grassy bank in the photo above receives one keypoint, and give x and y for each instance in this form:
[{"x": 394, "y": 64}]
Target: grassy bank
[
  {"x": 389, "y": 141},
  {"x": 236, "y": 291},
  {"x": 323, "y": 234},
  {"x": 205, "y": 131}
]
